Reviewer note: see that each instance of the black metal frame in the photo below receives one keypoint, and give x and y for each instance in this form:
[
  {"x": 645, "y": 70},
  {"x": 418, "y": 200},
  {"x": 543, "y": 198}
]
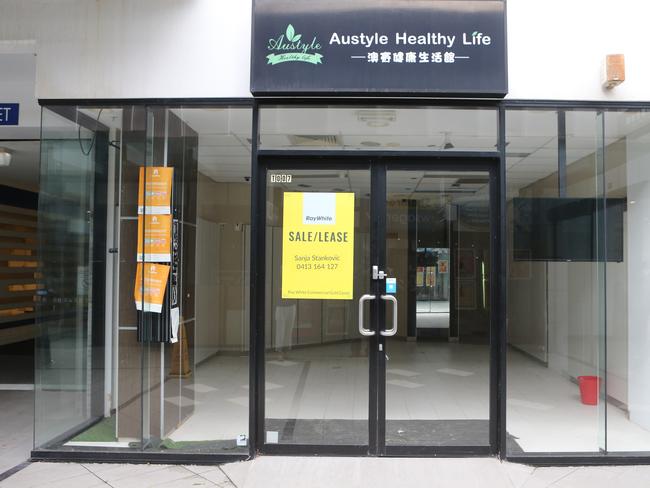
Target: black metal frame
[
  {"x": 209, "y": 102},
  {"x": 257, "y": 267},
  {"x": 379, "y": 164},
  {"x": 281, "y": 160},
  {"x": 461, "y": 161}
]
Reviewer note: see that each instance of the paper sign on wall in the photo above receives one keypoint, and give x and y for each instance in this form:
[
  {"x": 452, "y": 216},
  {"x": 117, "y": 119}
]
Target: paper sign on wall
[
  {"x": 155, "y": 245},
  {"x": 156, "y": 184},
  {"x": 150, "y": 278},
  {"x": 419, "y": 276},
  {"x": 318, "y": 246}
]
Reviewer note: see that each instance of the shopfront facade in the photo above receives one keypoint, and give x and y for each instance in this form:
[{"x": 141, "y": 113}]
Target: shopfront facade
[{"x": 393, "y": 241}]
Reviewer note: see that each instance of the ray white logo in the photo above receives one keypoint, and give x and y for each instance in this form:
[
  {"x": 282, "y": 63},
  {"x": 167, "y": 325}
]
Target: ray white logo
[
  {"x": 289, "y": 47},
  {"x": 319, "y": 208}
]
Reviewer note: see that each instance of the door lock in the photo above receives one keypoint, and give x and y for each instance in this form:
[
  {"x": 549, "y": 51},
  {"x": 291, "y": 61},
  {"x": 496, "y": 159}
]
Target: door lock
[{"x": 377, "y": 274}]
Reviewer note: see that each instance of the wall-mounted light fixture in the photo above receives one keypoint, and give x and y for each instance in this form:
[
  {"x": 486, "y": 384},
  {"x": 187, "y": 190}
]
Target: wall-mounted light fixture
[
  {"x": 5, "y": 157},
  {"x": 614, "y": 70},
  {"x": 376, "y": 117}
]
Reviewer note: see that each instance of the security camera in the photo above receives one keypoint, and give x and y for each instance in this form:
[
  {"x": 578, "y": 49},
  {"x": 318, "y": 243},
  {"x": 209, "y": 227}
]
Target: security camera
[{"x": 247, "y": 178}]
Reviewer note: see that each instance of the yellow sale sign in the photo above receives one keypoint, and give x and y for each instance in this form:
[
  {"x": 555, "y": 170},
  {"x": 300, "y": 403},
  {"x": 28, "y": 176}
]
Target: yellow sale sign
[{"x": 318, "y": 246}]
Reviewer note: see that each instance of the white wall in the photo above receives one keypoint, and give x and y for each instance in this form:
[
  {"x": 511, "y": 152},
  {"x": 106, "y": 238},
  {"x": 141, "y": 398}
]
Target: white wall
[
  {"x": 206, "y": 341},
  {"x": 556, "y": 48},
  {"x": 638, "y": 252},
  {"x": 17, "y": 85},
  {"x": 200, "y": 48},
  {"x": 126, "y": 48}
]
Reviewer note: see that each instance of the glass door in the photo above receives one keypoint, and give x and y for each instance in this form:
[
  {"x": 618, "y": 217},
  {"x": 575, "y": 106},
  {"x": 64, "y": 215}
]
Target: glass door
[
  {"x": 437, "y": 337},
  {"x": 316, "y": 353},
  {"x": 378, "y": 324}
]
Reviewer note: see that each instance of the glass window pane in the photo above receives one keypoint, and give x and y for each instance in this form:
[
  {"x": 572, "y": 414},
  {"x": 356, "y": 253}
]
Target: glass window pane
[
  {"x": 555, "y": 281},
  {"x": 316, "y": 361},
  {"x": 70, "y": 368},
  {"x": 438, "y": 242},
  {"x": 627, "y": 180},
  {"x": 169, "y": 371},
  {"x": 373, "y": 128}
]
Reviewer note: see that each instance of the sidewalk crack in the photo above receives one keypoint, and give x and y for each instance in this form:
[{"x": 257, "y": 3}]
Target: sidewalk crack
[
  {"x": 97, "y": 476},
  {"x": 226, "y": 475}
]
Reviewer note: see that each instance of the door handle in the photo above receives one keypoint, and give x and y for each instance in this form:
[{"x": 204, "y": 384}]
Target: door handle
[
  {"x": 362, "y": 330},
  {"x": 393, "y": 330}
]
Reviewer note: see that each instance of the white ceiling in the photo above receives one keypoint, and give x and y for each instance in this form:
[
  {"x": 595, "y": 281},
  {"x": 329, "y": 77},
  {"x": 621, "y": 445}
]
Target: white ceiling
[
  {"x": 224, "y": 141},
  {"x": 224, "y": 135}
]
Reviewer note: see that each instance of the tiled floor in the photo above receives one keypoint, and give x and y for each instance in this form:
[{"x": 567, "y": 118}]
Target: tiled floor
[
  {"x": 325, "y": 472},
  {"x": 425, "y": 381},
  {"x": 16, "y": 427}
]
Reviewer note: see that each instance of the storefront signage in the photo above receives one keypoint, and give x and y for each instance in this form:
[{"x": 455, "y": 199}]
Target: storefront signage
[
  {"x": 396, "y": 47},
  {"x": 155, "y": 244},
  {"x": 318, "y": 246},
  {"x": 156, "y": 184},
  {"x": 150, "y": 284},
  {"x": 9, "y": 113}
]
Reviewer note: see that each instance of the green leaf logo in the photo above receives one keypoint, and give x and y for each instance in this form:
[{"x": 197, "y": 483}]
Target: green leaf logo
[
  {"x": 290, "y": 33},
  {"x": 297, "y": 37}
]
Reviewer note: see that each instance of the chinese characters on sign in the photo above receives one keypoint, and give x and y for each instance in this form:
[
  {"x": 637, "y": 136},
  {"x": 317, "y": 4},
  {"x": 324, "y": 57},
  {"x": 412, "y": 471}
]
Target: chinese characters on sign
[{"x": 411, "y": 57}]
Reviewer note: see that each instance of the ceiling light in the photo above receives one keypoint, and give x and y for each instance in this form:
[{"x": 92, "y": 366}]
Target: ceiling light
[
  {"x": 376, "y": 118},
  {"x": 5, "y": 157}
]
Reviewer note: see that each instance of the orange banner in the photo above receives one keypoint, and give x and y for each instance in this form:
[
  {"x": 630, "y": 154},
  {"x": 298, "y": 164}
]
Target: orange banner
[
  {"x": 158, "y": 190},
  {"x": 155, "y": 244},
  {"x": 155, "y": 281}
]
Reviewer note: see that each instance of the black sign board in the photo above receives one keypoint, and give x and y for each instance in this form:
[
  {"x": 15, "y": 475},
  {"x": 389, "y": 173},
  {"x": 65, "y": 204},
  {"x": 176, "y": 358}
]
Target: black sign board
[{"x": 380, "y": 47}]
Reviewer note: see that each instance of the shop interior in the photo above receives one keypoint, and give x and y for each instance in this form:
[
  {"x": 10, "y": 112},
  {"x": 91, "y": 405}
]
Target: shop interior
[
  {"x": 19, "y": 188},
  {"x": 194, "y": 396}
]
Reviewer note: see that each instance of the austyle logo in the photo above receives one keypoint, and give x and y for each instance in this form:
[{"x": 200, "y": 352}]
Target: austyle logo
[{"x": 289, "y": 47}]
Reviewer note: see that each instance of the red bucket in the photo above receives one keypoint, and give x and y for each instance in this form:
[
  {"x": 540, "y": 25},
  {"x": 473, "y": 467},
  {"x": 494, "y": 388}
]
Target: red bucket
[{"x": 589, "y": 387}]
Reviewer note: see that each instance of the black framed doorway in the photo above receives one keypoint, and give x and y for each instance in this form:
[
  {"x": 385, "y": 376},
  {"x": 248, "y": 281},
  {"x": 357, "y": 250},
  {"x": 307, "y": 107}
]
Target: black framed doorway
[{"x": 360, "y": 377}]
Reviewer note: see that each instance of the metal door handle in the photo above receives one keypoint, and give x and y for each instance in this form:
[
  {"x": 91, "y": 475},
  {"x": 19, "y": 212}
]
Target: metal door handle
[
  {"x": 362, "y": 330},
  {"x": 393, "y": 331}
]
